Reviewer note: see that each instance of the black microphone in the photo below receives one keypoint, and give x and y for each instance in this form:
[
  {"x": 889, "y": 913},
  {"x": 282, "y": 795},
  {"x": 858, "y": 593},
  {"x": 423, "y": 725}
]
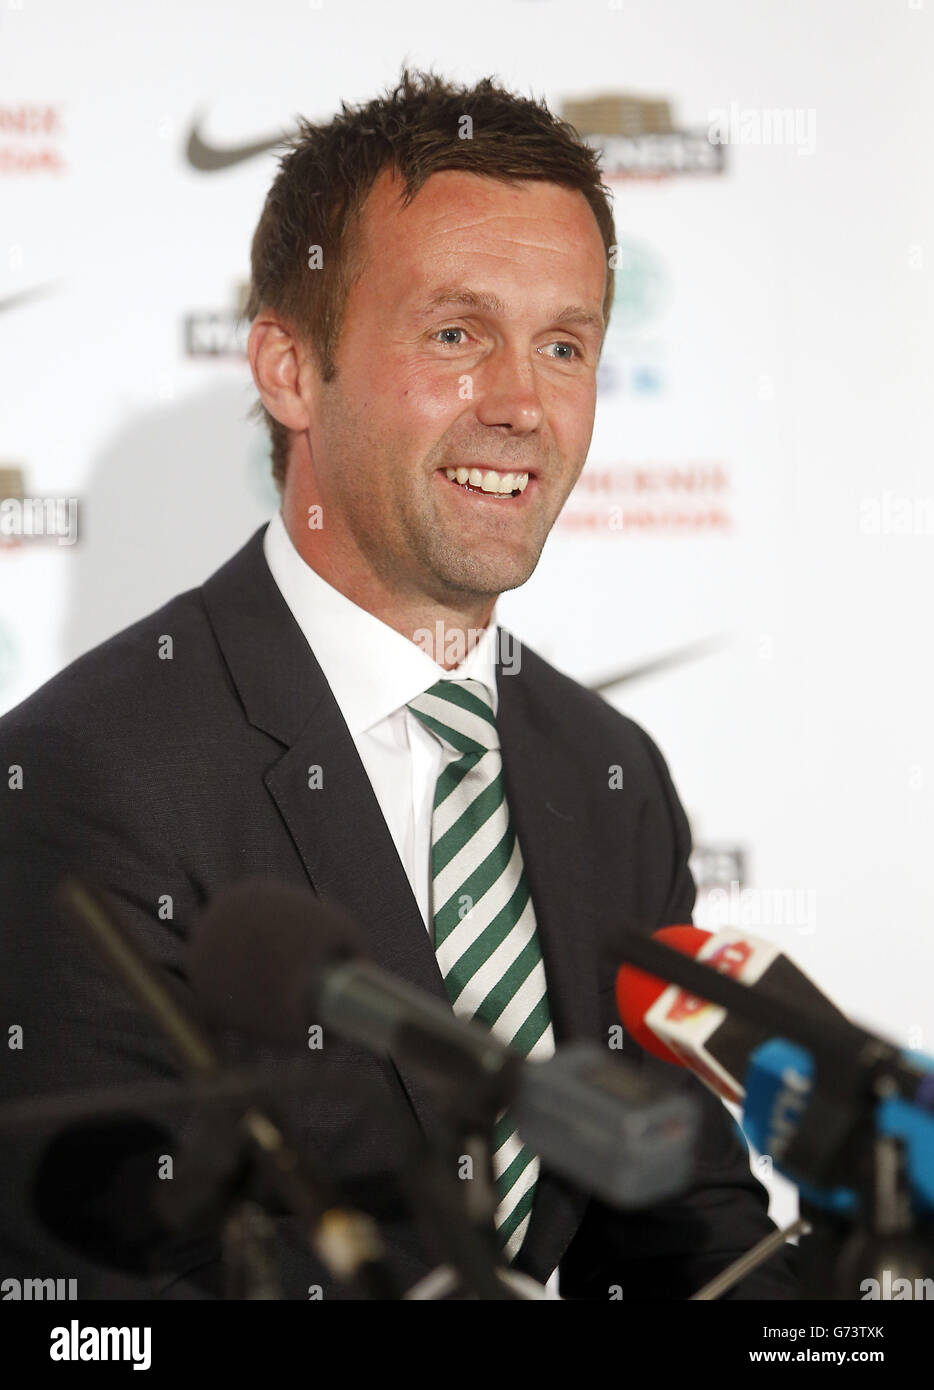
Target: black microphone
[{"x": 272, "y": 962}]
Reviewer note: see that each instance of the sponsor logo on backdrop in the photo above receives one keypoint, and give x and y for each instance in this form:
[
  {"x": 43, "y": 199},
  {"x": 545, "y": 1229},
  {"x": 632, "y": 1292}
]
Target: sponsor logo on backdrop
[
  {"x": 678, "y": 656},
  {"x": 215, "y": 333},
  {"x": 718, "y": 865},
  {"x": 633, "y": 360},
  {"x": 650, "y": 499},
  {"x": 208, "y": 158},
  {"x": 724, "y": 897},
  {"x": 641, "y": 286},
  {"x": 31, "y": 138},
  {"x": 720, "y": 871},
  {"x": 21, "y": 297},
  {"x": 637, "y": 135},
  {"x": 639, "y": 138}
]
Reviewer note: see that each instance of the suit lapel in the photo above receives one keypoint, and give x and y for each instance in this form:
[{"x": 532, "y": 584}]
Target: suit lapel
[
  {"x": 319, "y": 784},
  {"x": 351, "y": 860}
]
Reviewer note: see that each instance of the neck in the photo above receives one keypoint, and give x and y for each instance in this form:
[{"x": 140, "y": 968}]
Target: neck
[{"x": 445, "y": 628}]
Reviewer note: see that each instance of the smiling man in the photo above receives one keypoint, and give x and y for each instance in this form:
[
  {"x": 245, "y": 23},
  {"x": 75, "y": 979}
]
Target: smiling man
[
  {"x": 431, "y": 285},
  {"x": 461, "y": 405},
  {"x": 453, "y": 416}
]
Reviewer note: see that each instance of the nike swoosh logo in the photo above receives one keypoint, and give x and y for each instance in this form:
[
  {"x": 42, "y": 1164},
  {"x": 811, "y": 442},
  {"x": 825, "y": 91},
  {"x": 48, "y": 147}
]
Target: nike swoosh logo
[
  {"x": 661, "y": 663},
  {"x": 208, "y": 158},
  {"x": 13, "y": 301}
]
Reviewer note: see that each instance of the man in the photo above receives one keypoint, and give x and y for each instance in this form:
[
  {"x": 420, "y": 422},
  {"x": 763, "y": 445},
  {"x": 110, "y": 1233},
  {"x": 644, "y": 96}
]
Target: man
[{"x": 337, "y": 708}]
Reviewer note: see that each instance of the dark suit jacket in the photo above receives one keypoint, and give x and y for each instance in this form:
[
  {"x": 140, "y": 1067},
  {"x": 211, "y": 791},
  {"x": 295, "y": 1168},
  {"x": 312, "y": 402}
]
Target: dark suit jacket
[{"x": 166, "y": 777}]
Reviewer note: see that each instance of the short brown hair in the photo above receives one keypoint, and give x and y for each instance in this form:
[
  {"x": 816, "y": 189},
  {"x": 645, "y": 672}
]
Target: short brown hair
[{"x": 328, "y": 170}]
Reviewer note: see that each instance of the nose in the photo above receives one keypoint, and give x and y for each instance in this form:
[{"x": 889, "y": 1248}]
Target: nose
[{"x": 506, "y": 394}]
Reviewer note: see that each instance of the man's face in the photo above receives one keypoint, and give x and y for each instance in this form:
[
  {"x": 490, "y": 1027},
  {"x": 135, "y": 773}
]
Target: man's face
[{"x": 470, "y": 341}]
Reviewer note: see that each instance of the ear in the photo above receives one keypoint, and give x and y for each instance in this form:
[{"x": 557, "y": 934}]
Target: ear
[{"x": 280, "y": 371}]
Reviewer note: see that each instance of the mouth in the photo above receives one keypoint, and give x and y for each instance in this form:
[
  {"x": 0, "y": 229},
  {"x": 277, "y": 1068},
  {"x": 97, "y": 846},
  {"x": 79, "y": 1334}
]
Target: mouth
[{"x": 489, "y": 483}]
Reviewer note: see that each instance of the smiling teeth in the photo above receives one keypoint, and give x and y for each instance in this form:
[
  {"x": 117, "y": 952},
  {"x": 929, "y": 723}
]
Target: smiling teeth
[{"x": 489, "y": 480}]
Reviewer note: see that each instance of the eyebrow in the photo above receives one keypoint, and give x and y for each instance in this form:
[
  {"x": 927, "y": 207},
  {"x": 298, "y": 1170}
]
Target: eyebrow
[{"x": 460, "y": 296}]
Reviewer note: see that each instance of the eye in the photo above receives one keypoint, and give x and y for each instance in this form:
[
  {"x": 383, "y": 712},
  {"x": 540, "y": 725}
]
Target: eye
[
  {"x": 454, "y": 328},
  {"x": 561, "y": 343}
]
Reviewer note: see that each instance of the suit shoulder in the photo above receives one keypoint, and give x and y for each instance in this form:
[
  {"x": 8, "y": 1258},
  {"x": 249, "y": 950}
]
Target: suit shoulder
[
  {"x": 576, "y": 708},
  {"x": 120, "y": 681}
]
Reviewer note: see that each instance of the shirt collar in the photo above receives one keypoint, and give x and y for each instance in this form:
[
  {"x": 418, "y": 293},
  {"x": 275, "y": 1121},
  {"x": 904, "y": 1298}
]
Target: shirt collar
[{"x": 371, "y": 668}]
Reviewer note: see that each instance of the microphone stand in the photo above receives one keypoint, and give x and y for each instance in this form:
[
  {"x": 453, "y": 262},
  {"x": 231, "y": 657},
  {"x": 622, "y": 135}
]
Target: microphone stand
[
  {"x": 459, "y": 1211},
  {"x": 760, "y": 1252},
  {"x": 883, "y": 1242},
  {"x": 249, "y": 1265}
]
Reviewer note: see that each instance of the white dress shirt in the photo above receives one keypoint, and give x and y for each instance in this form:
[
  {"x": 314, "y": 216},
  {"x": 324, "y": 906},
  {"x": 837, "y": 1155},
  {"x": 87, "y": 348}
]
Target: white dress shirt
[{"x": 373, "y": 672}]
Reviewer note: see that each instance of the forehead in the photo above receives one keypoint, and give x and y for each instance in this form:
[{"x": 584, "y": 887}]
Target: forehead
[{"x": 460, "y": 220}]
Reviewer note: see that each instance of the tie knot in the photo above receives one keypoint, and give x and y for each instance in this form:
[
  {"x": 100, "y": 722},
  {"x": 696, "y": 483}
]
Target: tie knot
[{"x": 460, "y": 713}]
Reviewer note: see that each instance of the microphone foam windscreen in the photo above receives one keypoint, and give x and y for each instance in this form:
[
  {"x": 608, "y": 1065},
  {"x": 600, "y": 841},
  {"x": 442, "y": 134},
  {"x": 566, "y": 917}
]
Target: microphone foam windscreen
[{"x": 257, "y": 952}]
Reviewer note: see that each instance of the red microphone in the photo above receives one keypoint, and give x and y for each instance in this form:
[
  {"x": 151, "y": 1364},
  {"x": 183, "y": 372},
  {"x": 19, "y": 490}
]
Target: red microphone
[{"x": 688, "y": 1031}]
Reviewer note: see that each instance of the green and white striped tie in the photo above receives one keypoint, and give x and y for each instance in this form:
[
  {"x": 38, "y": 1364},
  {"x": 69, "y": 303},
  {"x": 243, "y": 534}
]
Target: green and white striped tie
[{"x": 484, "y": 921}]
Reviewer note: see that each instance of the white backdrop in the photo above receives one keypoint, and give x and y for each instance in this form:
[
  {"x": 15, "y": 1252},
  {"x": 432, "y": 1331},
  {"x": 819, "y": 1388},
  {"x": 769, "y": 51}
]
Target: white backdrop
[{"x": 761, "y": 467}]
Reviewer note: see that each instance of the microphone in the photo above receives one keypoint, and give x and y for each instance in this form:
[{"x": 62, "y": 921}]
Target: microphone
[
  {"x": 757, "y": 1030},
  {"x": 779, "y": 1086},
  {"x": 842, "y": 1112},
  {"x": 272, "y": 962},
  {"x": 687, "y": 1030}
]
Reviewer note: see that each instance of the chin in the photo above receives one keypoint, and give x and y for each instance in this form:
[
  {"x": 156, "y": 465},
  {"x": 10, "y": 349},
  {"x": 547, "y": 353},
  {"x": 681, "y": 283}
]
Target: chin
[{"x": 488, "y": 578}]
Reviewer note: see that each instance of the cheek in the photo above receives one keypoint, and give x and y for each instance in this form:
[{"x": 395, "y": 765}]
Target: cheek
[
  {"x": 571, "y": 417},
  {"x": 431, "y": 395}
]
